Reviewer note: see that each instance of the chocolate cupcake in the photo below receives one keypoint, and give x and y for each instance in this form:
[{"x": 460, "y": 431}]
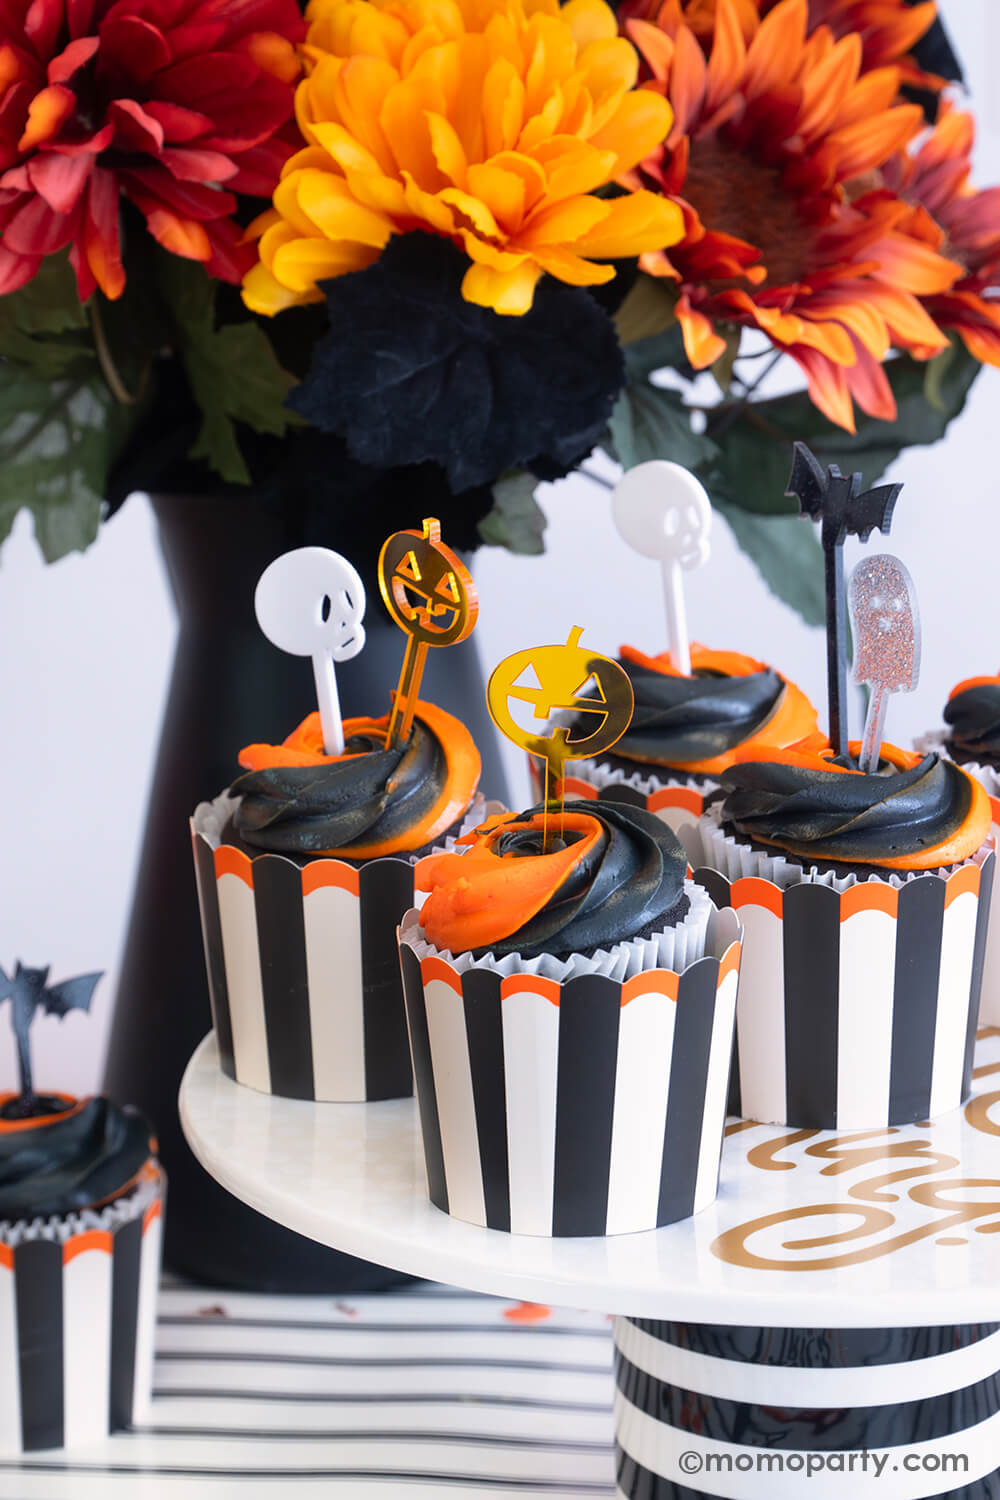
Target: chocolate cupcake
[
  {"x": 305, "y": 867},
  {"x": 686, "y": 731},
  {"x": 81, "y": 1199},
  {"x": 571, "y": 1017},
  {"x": 865, "y": 899}
]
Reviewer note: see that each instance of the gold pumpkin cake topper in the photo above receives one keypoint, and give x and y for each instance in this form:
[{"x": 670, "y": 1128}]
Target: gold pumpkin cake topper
[
  {"x": 430, "y": 595},
  {"x": 567, "y": 679}
]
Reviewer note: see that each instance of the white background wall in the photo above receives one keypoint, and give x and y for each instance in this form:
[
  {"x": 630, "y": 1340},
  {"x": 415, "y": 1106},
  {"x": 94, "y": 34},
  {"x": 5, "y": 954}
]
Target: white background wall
[{"x": 88, "y": 642}]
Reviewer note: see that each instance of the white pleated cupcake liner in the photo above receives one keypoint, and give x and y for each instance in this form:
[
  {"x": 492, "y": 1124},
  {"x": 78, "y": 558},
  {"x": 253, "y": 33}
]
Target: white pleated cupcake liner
[
  {"x": 59, "y": 1229},
  {"x": 674, "y": 948},
  {"x": 723, "y": 851}
]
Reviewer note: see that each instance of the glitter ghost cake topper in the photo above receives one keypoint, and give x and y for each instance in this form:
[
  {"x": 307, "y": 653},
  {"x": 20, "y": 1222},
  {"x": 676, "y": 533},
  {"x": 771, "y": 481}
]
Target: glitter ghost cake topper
[
  {"x": 561, "y": 682},
  {"x": 663, "y": 512},
  {"x": 430, "y": 595},
  {"x": 843, "y": 509},
  {"x": 886, "y": 624},
  {"x": 311, "y": 602},
  {"x": 29, "y": 992}
]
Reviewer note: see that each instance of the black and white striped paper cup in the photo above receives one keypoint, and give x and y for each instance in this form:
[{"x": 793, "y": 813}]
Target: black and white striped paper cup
[
  {"x": 753, "y": 1413},
  {"x": 77, "y": 1322},
  {"x": 303, "y": 970},
  {"x": 989, "y": 780},
  {"x": 858, "y": 1006},
  {"x": 587, "y": 1106}
]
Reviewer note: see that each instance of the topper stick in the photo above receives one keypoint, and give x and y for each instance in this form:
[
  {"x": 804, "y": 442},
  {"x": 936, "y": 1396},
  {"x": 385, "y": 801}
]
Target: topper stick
[
  {"x": 663, "y": 512},
  {"x": 430, "y": 595},
  {"x": 886, "y": 624},
  {"x": 564, "y": 680},
  {"x": 837, "y": 501},
  {"x": 30, "y": 992},
  {"x": 310, "y": 602}
]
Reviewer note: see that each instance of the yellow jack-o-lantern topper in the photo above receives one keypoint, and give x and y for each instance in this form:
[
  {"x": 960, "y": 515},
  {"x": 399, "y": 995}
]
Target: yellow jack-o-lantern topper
[
  {"x": 430, "y": 595},
  {"x": 592, "y": 692}
]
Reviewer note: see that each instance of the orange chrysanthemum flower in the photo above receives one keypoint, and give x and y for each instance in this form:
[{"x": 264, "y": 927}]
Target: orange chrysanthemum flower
[
  {"x": 964, "y": 224},
  {"x": 490, "y": 122},
  {"x": 773, "y": 158}
]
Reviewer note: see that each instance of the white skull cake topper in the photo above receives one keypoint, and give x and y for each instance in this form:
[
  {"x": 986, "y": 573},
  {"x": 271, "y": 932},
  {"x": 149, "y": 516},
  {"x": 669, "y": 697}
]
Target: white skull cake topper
[
  {"x": 886, "y": 624},
  {"x": 311, "y": 602},
  {"x": 662, "y": 511}
]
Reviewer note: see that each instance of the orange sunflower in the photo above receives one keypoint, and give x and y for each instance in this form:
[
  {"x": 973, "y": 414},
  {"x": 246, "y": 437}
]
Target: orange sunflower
[
  {"x": 774, "y": 159},
  {"x": 959, "y": 221},
  {"x": 889, "y": 29}
]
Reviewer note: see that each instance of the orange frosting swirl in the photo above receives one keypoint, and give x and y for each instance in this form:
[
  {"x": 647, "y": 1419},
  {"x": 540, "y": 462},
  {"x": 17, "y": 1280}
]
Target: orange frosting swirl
[{"x": 612, "y": 871}]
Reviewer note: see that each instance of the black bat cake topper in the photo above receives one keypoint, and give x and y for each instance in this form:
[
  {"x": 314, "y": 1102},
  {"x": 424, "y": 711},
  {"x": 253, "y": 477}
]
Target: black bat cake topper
[
  {"x": 29, "y": 992},
  {"x": 844, "y": 509}
]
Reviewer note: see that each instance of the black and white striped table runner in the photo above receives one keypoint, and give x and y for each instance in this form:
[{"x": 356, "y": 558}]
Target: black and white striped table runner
[{"x": 425, "y": 1390}]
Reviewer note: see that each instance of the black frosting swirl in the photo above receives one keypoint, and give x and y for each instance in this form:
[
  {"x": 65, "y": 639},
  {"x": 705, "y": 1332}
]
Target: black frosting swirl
[
  {"x": 862, "y": 818},
  {"x": 68, "y": 1164},
  {"x": 681, "y": 719},
  {"x": 974, "y": 720},
  {"x": 629, "y": 884},
  {"x": 376, "y": 796}
]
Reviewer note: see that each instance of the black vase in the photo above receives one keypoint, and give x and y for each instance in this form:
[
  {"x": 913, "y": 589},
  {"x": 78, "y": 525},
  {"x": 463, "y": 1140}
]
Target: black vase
[{"x": 230, "y": 687}]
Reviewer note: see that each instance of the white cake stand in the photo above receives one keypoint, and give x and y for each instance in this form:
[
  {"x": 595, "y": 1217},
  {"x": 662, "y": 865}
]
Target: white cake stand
[{"x": 838, "y": 1305}]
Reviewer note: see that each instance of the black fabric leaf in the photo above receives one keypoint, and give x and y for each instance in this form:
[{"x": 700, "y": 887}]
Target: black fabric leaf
[{"x": 412, "y": 373}]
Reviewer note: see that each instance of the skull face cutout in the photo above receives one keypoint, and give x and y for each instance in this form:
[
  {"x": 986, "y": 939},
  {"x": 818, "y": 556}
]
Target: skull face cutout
[
  {"x": 663, "y": 512},
  {"x": 427, "y": 589},
  {"x": 884, "y": 619},
  {"x": 562, "y": 680}
]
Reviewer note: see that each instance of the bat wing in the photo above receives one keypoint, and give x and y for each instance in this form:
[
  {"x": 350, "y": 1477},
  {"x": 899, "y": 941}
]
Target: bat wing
[
  {"x": 873, "y": 510},
  {"x": 807, "y": 482},
  {"x": 72, "y": 994}
]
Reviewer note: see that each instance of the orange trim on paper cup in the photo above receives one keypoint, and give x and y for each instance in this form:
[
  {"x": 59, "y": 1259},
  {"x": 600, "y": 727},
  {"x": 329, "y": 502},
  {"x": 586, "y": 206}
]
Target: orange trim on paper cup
[
  {"x": 230, "y": 861},
  {"x": 320, "y": 874},
  {"x": 533, "y": 984},
  {"x": 750, "y": 890},
  {"x": 432, "y": 967},
  {"x": 869, "y": 895},
  {"x": 676, "y": 796},
  {"x": 967, "y": 879},
  {"x": 665, "y": 981},
  {"x": 91, "y": 1239}
]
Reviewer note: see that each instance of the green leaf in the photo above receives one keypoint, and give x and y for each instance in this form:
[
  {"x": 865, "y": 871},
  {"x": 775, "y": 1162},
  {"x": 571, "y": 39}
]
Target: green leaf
[
  {"x": 58, "y": 441},
  {"x": 722, "y": 369},
  {"x": 650, "y": 422},
  {"x": 788, "y": 556},
  {"x": 660, "y": 352},
  {"x": 647, "y": 310},
  {"x": 754, "y": 457},
  {"x": 233, "y": 371},
  {"x": 516, "y": 521},
  {"x": 49, "y": 303}
]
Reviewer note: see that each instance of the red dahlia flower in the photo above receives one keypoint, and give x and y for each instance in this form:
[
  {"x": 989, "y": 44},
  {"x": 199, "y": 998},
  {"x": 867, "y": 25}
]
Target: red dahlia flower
[{"x": 160, "y": 101}]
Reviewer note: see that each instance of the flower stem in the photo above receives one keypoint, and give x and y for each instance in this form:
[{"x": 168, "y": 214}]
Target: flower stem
[{"x": 106, "y": 360}]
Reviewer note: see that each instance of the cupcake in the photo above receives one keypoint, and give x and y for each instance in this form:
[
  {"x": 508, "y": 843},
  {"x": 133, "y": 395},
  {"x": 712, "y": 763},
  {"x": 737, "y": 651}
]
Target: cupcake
[
  {"x": 305, "y": 868},
  {"x": 81, "y": 1201},
  {"x": 865, "y": 900},
  {"x": 972, "y": 739},
  {"x": 686, "y": 731},
  {"x": 571, "y": 1019}
]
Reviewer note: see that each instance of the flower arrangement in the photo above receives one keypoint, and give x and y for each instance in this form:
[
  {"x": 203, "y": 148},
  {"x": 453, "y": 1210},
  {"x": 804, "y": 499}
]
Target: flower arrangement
[{"x": 432, "y": 251}]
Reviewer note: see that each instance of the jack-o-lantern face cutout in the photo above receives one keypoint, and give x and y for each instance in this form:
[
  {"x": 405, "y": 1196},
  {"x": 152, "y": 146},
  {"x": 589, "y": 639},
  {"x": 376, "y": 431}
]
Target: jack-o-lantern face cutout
[
  {"x": 427, "y": 589},
  {"x": 562, "y": 680}
]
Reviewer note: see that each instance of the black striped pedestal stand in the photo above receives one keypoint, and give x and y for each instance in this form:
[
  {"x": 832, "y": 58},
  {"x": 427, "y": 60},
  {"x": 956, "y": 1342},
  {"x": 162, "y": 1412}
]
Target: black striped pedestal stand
[{"x": 806, "y": 1413}]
